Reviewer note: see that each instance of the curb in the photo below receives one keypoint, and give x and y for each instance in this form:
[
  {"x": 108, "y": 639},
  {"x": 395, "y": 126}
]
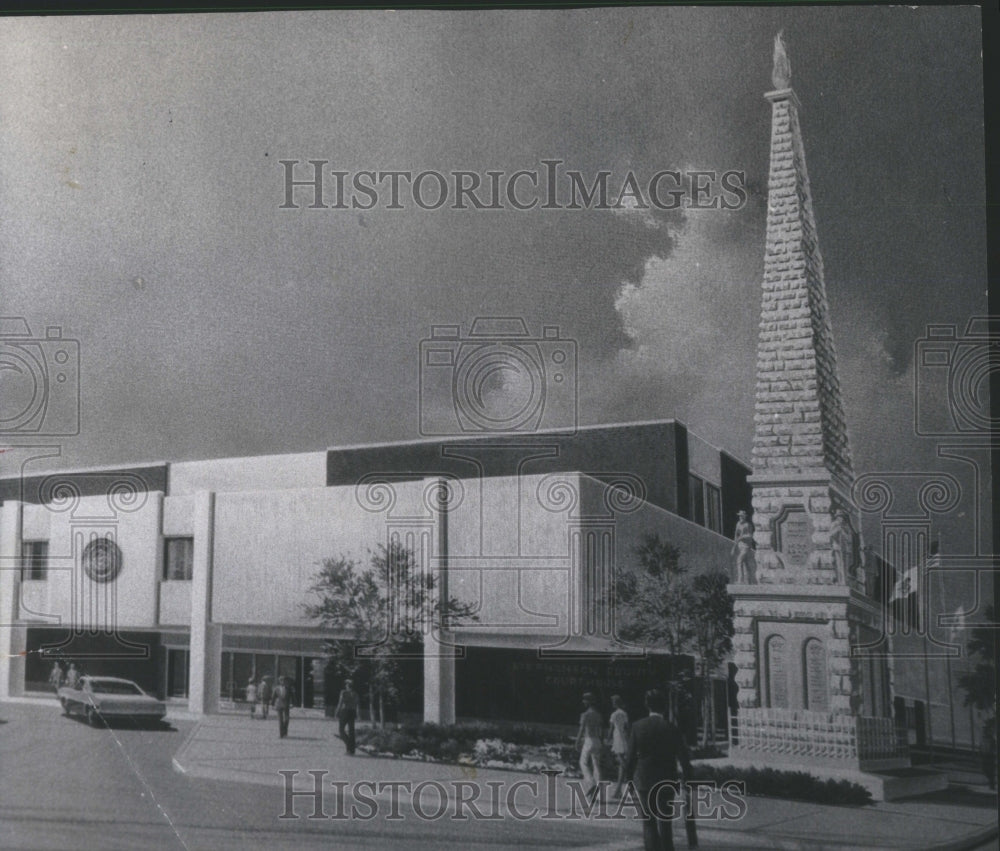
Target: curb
[
  {"x": 970, "y": 841},
  {"x": 706, "y": 838},
  {"x": 32, "y": 700},
  {"x": 175, "y": 759},
  {"x": 741, "y": 839}
]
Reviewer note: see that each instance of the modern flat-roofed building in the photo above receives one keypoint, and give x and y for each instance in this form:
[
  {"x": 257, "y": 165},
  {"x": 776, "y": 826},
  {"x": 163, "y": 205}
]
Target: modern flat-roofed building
[{"x": 191, "y": 577}]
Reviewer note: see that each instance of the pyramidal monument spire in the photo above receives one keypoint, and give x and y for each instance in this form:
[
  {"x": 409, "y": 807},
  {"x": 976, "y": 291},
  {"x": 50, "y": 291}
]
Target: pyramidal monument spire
[{"x": 801, "y": 451}]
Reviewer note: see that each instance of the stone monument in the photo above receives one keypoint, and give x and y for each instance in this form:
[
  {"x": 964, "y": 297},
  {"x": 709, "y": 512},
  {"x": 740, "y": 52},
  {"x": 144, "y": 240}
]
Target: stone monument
[{"x": 808, "y": 693}]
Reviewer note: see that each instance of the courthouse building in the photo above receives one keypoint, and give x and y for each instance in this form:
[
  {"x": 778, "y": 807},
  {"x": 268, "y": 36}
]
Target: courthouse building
[{"x": 191, "y": 577}]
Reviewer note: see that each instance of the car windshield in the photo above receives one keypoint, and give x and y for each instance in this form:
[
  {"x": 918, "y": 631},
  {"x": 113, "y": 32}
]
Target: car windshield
[{"x": 113, "y": 687}]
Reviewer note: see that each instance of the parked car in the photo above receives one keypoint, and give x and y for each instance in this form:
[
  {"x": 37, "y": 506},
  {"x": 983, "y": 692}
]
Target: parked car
[{"x": 102, "y": 698}]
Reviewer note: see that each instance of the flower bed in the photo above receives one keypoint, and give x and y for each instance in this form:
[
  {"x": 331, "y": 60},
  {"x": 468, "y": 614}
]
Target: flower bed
[
  {"x": 520, "y": 747},
  {"x": 517, "y": 747}
]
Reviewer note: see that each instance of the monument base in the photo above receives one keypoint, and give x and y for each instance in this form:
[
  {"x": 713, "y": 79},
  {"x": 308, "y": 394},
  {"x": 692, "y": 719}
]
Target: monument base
[
  {"x": 888, "y": 784},
  {"x": 751, "y": 757},
  {"x": 797, "y": 645}
]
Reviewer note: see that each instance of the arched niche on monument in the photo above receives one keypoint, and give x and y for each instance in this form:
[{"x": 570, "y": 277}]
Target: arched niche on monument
[
  {"x": 815, "y": 677},
  {"x": 777, "y": 672}
]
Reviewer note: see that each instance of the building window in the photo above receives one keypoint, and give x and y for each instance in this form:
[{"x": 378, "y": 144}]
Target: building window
[
  {"x": 713, "y": 504},
  {"x": 178, "y": 558},
  {"x": 34, "y": 559},
  {"x": 705, "y": 502},
  {"x": 696, "y": 499}
]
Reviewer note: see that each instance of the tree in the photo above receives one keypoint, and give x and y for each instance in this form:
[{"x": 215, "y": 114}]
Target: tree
[
  {"x": 381, "y": 614},
  {"x": 656, "y": 602},
  {"x": 713, "y": 615},
  {"x": 980, "y": 684}
]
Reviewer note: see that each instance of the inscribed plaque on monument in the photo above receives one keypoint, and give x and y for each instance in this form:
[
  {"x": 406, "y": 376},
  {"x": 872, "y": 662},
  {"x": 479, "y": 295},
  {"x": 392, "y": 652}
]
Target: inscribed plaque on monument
[
  {"x": 795, "y": 535},
  {"x": 777, "y": 674},
  {"x": 817, "y": 693}
]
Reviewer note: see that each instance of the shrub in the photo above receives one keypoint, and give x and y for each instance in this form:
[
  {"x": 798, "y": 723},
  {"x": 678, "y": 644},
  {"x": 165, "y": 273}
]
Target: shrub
[
  {"x": 793, "y": 785},
  {"x": 707, "y": 752},
  {"x": 515, "y": 733},
  {"x": 399, "y": 744},
  {"x": 450, "y": 749}
]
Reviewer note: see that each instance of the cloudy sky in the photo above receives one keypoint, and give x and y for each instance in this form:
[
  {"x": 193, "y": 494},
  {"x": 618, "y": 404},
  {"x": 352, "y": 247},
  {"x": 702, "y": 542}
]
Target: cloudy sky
[{"x": 142, "y": 190}]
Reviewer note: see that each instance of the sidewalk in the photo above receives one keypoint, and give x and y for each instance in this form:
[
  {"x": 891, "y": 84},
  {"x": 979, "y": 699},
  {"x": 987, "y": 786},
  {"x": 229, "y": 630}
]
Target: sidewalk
[{"x": 240, "y": 749}]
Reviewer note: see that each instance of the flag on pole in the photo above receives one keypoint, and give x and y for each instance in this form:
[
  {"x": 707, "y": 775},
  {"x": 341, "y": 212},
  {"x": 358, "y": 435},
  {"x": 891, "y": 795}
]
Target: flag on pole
[
  {"x": 907, "y": 583},
  {"x": 904, "y": 602}
]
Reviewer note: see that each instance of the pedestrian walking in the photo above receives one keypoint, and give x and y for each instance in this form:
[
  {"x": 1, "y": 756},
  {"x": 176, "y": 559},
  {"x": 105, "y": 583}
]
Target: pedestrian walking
[
  {"x": 618, "y": 737},
  {"x": 347, "y": 712},
  {"x": 281, "y": 700},
  {"x": 655, "y": 747},
  {"x": 264, "y": 693},
  {"x": 56, "y": 676},
  {"x": 72, "y": 676},
  {"x": 989, "y": 751},
  {"x": 588, "y": 741},
  {"x": 252, "y": 697}
]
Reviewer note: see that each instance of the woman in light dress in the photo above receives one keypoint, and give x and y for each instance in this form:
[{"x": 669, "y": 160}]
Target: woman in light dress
[
  {"x": 252, "y": 697},
  {"x": 618, "y": 728}
]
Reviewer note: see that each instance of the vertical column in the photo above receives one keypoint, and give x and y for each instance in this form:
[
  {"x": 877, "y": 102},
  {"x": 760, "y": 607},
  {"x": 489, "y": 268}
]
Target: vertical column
[
  {"x": 12, "y": 636},
  {"x": 158, "y": 561},
  {"x": 439, "y": 685},
  {"x": 439, "y": 652},
  {"x": 206, "y": 637}
]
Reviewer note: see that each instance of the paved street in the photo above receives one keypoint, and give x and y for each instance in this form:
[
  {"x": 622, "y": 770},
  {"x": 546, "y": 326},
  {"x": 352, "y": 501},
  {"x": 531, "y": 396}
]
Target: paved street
[
  {"x": 68, "y": 786},
  {"x": 215, "y": 786}
]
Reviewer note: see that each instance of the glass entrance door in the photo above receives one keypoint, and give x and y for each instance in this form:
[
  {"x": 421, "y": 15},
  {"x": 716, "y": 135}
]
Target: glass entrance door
[{"x": 177, "y": 672}]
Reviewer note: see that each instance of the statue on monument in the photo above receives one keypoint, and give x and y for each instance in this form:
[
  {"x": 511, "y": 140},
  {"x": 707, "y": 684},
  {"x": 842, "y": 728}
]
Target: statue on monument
[
  {"x": 781, "y": 73},
  {"x": 842, "y": 544},
  {"x": 743, "y": 546}
]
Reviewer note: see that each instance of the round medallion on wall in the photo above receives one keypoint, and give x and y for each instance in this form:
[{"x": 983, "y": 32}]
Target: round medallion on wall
[{"x": 102, "y": 560}]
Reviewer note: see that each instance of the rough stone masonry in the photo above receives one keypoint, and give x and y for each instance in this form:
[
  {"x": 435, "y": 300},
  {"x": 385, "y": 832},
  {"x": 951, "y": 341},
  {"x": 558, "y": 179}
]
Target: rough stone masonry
[{"x": 801, "y": 604}]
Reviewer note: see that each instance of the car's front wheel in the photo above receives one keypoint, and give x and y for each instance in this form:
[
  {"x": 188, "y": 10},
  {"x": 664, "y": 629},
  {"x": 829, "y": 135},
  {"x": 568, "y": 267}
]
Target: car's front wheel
[
  {"x": 93, "y": 717},
  {"x": 65, "y": 705}
]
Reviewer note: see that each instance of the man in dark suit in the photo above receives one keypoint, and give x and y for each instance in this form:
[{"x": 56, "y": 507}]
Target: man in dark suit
[
  {"x": 281, "y": 700},
  {"x": 347, "y": 712},
  {"x": 655, "y": 748}
]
